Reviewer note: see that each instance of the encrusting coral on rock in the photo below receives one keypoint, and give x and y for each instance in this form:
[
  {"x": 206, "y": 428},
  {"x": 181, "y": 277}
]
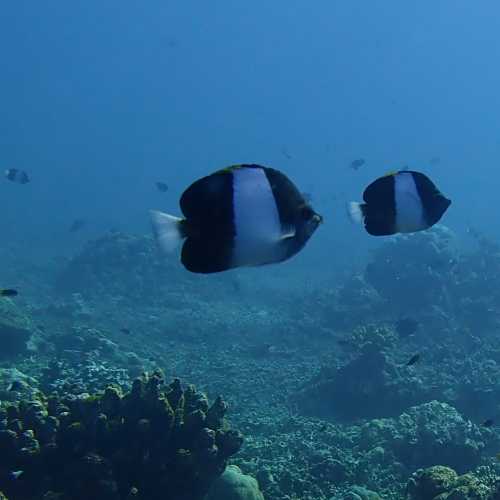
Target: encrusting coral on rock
[
  {"x": 443, "y": 483},
  {"x": 234, "y": 485},
  {"x": 157, "y": 441}
]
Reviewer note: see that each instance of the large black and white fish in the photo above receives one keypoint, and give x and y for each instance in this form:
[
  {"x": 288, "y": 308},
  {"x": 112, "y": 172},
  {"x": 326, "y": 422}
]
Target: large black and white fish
[
  {"x": 244, "y": 215},
  {"x": 400, "y": 202},
  {"x": 16, "y": 175}
]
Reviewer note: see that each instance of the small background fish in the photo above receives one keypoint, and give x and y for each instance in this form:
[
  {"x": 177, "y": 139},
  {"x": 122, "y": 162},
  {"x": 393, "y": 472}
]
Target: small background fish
[
  {"x": 16, "y": 175},
  {"x": 357, "y": 164},
  {"x": 162, "y": 187},
  {"x": 77, "y": 225}
]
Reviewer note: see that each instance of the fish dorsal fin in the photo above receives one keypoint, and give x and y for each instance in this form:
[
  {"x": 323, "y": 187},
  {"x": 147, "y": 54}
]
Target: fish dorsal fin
[{"x": 391, "y": 173}]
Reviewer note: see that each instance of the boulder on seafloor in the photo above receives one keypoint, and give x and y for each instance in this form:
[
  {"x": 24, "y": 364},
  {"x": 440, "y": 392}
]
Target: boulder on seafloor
[
  {"x": 156, "y": 442},
  {"x": 372, "y": 384},
  {"x": 120, "y": 264},
  {"x": 15, "y": 385},
  {"x": 443, "y": 483},
  {"x": 429, "y": 434},
  {"x": 16, "y": 330},
  {"x": 234, "y": 485},
  {"x": 420, "y": 262}
]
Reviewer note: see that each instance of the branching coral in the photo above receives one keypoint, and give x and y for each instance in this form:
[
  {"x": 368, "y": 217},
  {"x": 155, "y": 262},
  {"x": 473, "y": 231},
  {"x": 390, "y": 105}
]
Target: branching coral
[{"x": 155, "y": 442}]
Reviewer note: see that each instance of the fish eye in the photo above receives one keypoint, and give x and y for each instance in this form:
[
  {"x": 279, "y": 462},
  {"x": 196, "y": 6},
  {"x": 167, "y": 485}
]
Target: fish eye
[{"x": 307, "y": 212}]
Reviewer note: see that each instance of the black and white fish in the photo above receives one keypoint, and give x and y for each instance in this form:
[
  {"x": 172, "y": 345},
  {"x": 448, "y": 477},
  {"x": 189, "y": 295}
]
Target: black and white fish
[
  {"x": 244, "y": 215},
  {"x": 400, "y": 202},
  {"x": 16, "y": 175}
]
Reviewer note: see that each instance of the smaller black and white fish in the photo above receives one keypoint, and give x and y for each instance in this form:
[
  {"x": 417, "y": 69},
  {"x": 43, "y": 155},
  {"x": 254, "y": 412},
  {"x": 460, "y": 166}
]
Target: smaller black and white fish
[
  {"x": 126, "y": 331},
  {"x": 400, "y": 202},
  {"x": 8, "y": 292},
  {"x": 162, "y": 187},
  {"x": 489, "y": 422},
  {"x": 357, "y": 164},
  {"x": 77, "y": 225},
  {"x": 16, "y": 175},
  {"x": 414, "y": 359}
]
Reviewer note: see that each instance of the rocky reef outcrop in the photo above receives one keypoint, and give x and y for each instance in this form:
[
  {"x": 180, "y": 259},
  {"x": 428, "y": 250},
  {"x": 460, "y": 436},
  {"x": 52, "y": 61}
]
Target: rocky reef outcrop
[
  {"x": 409, "y": 272},
  {"x": 375, "y": 382},
  {"x": 155, "y": 442},
  {"x": 234, "y": 485},
  {"x": 119, "y": 262},
  {"x": 443, "y": 483},
  {"x": 16, "y": 331},
  {"x": 429, "y": 434}
]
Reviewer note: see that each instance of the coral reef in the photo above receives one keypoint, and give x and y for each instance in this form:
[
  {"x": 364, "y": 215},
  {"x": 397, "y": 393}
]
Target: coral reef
[
  {"x": 419, "y": 262},
  {"x": 373, "y": 384},
  {"x": 125, "y": 266},
  {"x": 16, "y": 330},
  {"x": 443, "y": 483},
  {"x": 234, "y": 485},
  {"x": 316, "y": 372},
  {"x": 154, "y": 442},
  {"x": 429, "y": 434}
]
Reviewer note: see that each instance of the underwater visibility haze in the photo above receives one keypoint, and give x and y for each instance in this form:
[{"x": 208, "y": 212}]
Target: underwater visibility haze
[{"x": 249, "y": 250}]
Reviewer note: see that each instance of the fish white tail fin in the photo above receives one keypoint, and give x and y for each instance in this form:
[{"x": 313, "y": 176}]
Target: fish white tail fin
[
  {"x": 355, "y": 211},
  {"x": 167, "y": 230}
]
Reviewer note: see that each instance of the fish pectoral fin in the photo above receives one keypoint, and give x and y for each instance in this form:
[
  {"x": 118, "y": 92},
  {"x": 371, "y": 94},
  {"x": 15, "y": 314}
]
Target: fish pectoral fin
[
  {"x": 287, "y": 234},
  {"x": 390, "y": 173}
]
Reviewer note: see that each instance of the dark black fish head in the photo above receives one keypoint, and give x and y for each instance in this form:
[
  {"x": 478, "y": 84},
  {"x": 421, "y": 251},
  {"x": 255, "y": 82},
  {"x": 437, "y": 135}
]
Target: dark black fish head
[
  {"x": 308, "y": 221},
  {"x": 444, "y": 203},
  {"x": 437, "y": 208}
]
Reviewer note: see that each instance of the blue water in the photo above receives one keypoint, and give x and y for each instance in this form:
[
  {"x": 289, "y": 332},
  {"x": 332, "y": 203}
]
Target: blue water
[{"x": 99, "y": 101}]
